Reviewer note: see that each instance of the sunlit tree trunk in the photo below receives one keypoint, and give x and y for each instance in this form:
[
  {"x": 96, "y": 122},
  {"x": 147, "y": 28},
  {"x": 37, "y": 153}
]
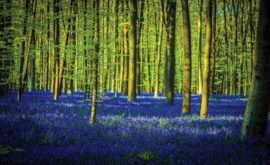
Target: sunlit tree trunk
[
  {"x": 73, "y": 53},
  {"x": 126, "y": 52},
  {"x": 255, "y": 118},
  {"x": 147, "y": 51},
  {"x": 116, "y": 44},
  {"x": 47, "y": 52},
  {"x": 86, "y": 92},
  {"x": 226, "y": 49},
  {"x": 56, "y": 48},
  {"x": 187, "y": 65},
  {"x": 240, "y": 85},
  {"x": 199, "y": 67},
  {"x": 140, "y": 19},
  {"x": 20, "y": 90},
  {"x": 159, "y": 52},
  {"x": 132, "y": 51},
  {"x": 95, "y": 62},
  {"x": 206, "y": 74},
  {"x": 212, "y": 89},
  {"x": 33, "y": 42}
]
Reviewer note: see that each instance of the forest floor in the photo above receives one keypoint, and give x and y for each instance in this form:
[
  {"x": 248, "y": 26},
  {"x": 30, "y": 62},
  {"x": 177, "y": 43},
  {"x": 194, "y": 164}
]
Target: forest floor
[{"x": 40, "y": 130}]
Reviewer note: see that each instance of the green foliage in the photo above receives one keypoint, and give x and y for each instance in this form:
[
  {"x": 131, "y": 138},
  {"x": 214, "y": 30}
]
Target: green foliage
[{"x": 7, "y": 149}]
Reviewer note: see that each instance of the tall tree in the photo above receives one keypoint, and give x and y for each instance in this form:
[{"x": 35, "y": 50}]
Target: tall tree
[
  {"x": 33, "y": 42},
  {"x": 206, "y": 74},
  {"x": 116, "y": 45},
  {"x": 226, "y": 48},
  {"x": 255, "y": 118},
  {"x": 140, "y": 20},
  {"x": 22, "y": 51},
  {"x": 95, "y": 62},
  {"x": 47, "y": 51},
  {"x": 187, "y": 56},
  {"x": 170, "y": 47},
  {"x": 56, "y": 47},
  {"x": 199, "y": 67},
  {"x": 73, "y": 43},
  {"x": 126, "y": 50},
  {"x": 132, "y": 51},
  {"x": 159, "y": 52},
  {"x": 212, "y": 89}
]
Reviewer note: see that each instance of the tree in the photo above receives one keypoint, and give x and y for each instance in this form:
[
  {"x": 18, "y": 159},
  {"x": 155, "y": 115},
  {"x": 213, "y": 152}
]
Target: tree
[
  {"x": 199, "y": 67},
  {"x": 22, "y": 52},
  {"x": 206, "y": 74},
  {"x": 255, "y": 118},
  {"x": 213, "y": 50},
  {"x": 56, "y": 48},
  {"x": 132, "y": 51},
  {"x": 95, "y": 62},
  {"x": 116, "y": 44},
  {"x": 226, "y": 48},
  {"x": 159, "y": 52},
  {"x": 187, "y": 56},
  {"x": 170, "y": 47},
  {"x": 33, "y": 42}
]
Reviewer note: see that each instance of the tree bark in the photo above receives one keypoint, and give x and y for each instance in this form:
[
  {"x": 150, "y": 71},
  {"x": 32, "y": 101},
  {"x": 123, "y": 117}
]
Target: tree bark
[
  {"x": 132, "y": 51},
  {"x": 187, "y": 65},
  {"x": 206, "y": 74},
  {"x": 199, "y": 67},
  {"x": 255, "y": 118},
  {"x": 95, "y": 62},
  {"x": 212, "y": 89}
]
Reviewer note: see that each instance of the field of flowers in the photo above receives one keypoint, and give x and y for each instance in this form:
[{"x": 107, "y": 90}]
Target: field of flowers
[{"x": 40, "y": 130}]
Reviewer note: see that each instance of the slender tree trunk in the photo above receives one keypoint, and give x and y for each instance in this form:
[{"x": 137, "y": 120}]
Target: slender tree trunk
[
  {"x": 212, "y": 89},
  {"x": 126, "y": 58},
  {"x": 226, "y": 49},
  {"x": 199, "y": 67},
  {"x": 187, "y": 65},
  {"x": 138, "y": 68},
  {"x": 22, "y": 52},
  {"x": 95, "y": 62},
  {"x": 147, "y": 54},
  {"x": 132, "y": 52},
  {"x": 48, "y": 50},
  {"x": 56, "y": 48},
  {"x": 158, "y": 53},
  {"x": 255, "y": 118},
  {"x": 73, "y": 52},
  {"x": 116, "y": 44},
  {"x": 206, "y": 74},
  {"x": 33, "y": 42}
]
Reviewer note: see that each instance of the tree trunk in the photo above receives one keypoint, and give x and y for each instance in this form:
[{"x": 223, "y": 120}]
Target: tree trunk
[
  {"x": 22, "y": 53},
  {"x": 132, "y": 52},
  {"x": 56, "y": 49},
  {"x": 187, "y": 65},
  {"x": 96, "y": 50},
  {"x": 159, "y": 53},
  {"x": 199, "y": 67},
  {"x": 206, "y": 74},
  {"x": 226, "y": 48},
  {"x": 212, "y": 89},
  {"x": 170, "y": 36},
  {"x": 255, "y": 118},
  {"x": 33, "y": 41},
  {"x": 116, "y": 45}
]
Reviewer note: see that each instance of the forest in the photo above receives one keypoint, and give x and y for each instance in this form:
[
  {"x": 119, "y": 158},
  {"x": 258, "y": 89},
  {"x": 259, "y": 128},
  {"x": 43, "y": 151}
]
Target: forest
[{"x": 134, "y": 82}]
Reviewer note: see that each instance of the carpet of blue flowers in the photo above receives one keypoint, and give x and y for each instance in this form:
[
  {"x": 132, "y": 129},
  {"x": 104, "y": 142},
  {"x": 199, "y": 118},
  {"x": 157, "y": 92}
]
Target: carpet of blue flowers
[{"x": 40, "y": 130}]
